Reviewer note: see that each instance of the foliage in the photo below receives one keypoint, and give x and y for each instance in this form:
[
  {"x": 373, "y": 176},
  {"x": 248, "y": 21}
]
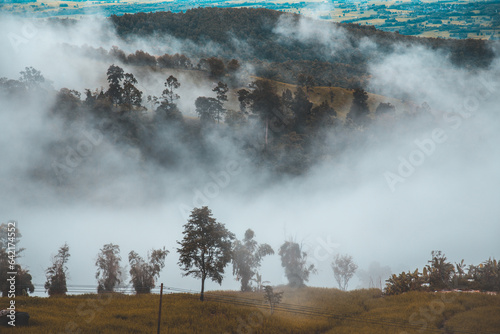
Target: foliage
[
  {"x": 292, "y": 60},
  {"x": 259, "y": 282},
  {"x": 271, "y": 297},
  {"x": 358, "y": 114},
  {"x": 141, "y": 58},
  {"x": 285, "y": 129},
  {"x": 235, "y": 118},
  {"x": 216, "y": 67},
  {"x": 246, "y": 258},
  {"x": 221, "y": 90},
  {"x": 384, "y": 108},
  {"x": 411, "y": 281},
  {"x": 131, "y": 95},
  {"x": 301, "y": 109},
  {"x": 343, "y": 269},
  {"x": 205, "y": 249},
  {"x": 58, "y": 272},
  {"x": 167, "y": 109},
  {"x": 208, "y": 109},
  {"x": 439, "y": 271},
  {"x": 262, "y": 100},
  {"x": 174, "y": 61},
  {"x": 33, "y": 79},
  {"x": 115, "y": 76},
  {"x": 108, "y": 268},
  {"x": 294, "y": 260},
  {"x": 124, "y": 95},
  {"x": 486, "y": 276},
  {"x": 233, "y": 65},
  {"x": 144, "y": 273},
  {"x": 439, "y": 274},
  {"x": 171, "y": 85}
]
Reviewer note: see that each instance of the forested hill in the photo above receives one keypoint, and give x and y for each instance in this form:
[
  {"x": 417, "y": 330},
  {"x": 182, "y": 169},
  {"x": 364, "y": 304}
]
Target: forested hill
[{"x": 270, "y": 39}]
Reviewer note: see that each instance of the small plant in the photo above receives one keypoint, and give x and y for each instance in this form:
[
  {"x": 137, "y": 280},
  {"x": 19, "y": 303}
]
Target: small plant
[
  {"x": 273, "y": 298},
  {"x": 260, "y": 283}
]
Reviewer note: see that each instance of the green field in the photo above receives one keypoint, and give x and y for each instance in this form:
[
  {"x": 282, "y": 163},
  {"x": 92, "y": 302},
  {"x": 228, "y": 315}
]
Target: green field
[{"x": 458, "y": 19}]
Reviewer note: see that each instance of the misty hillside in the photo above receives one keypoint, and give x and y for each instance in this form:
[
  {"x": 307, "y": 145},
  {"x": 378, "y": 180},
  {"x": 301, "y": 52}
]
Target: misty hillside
[
  {"x": 342, "y": 138},
  {"x": 267, "y": 39},
  {"x": 291, "y": 92}
]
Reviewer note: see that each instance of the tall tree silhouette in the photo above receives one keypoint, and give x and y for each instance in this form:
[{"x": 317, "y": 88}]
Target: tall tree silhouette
[
  {"x": 108, "y": 268},
  {"x": 115, "y": 77},
  {"x": 144, "y": 273},
  {"x": 205, "y": 249},
  {"x": 247, "y": 256},
  {"x": 294, "y": 260},
  {"x": 58, "y": 272},
  {"x": 358, "y": 114}
]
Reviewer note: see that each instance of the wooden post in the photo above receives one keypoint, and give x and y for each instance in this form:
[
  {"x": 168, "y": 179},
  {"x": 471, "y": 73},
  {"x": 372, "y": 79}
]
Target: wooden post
[{"x": 159, "y": 311}]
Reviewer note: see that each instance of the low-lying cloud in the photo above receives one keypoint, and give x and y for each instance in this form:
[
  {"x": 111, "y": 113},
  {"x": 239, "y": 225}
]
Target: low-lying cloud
[{"x": 343, "y": 205}]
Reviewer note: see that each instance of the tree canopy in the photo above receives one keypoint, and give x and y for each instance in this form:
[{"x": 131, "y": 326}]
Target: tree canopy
[
  {"x": 247, "y": 256},
  {"x": 205, "y": 249},
  {"x": 143, "y": 273},
  {"x": 294, "y": 260},
  {"x": 58, "y": 272}
]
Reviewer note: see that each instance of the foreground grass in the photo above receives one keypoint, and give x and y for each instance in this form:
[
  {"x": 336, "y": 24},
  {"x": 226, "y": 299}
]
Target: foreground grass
[{"x": 307, "y": 310}]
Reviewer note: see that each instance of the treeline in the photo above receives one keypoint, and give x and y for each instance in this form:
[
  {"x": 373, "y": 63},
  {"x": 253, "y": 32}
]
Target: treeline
[
  {"x": 255, "y": 27},
  {"x": 204, "y": 252},
  {"x": 440, "y": 274},
  {"x": 283, "y": 131},
  {"x": 208, "y": 247},
  {"x": 215, "y": 66}
]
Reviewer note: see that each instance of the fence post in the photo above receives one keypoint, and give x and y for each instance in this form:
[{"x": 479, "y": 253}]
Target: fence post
[{"x": 159, "y": 311}]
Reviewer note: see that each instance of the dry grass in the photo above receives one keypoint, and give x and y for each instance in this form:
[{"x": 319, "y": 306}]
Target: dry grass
[
  {"x": 342, "y": 98},
  {"x": 359, "y": 311}
]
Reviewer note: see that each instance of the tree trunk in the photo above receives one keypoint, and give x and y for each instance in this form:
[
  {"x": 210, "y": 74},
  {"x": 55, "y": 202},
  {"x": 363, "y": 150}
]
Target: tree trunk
[{"x": 202, "y": 288}]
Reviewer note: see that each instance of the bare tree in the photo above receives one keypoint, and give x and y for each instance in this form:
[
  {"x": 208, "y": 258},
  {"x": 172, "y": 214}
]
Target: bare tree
[{"x": 343, "y": 269}]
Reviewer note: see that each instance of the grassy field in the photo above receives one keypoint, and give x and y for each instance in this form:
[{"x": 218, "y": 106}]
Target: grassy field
[
  {"x": 306, "y": 310},
  {"x": 365, "y": 12}
]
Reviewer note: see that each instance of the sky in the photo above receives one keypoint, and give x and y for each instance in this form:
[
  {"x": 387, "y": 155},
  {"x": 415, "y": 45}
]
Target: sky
[{"x": 388, "y": 204}]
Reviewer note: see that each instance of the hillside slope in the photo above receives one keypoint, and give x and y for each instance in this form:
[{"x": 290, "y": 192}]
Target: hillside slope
[
  {"x": 282, "y": 45},
  {"x": 306, "y": 310}
]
